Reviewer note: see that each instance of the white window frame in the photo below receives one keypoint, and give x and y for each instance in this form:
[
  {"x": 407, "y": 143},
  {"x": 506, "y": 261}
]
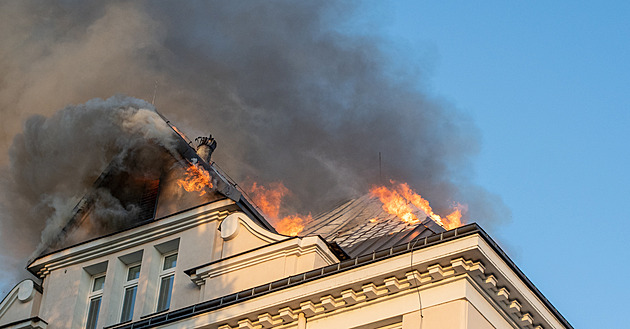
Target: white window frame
[
  {"x": 92, "y": 295},
  {"x": 129, "y": 284},
  {"x": 163, "y": 274}
]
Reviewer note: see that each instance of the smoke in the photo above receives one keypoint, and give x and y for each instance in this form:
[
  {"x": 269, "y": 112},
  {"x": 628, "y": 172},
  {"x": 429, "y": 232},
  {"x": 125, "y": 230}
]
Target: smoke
[
  {"x": 289, "y": 94},
  {"x": 56, "y": 160}
]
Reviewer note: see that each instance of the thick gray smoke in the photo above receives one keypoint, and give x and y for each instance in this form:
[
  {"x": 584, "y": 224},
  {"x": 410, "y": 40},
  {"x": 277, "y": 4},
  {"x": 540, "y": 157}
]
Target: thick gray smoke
[
  {"x": 288, "y": 94},
  {"x": 56, "y": 160}
]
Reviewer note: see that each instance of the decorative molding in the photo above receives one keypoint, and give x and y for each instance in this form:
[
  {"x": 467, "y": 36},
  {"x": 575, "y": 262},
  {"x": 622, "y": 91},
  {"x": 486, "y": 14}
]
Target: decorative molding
[
  {"x": 257, "y": 230},
  {"x": 144, "y": 234},
  {"x": 32, "y": 323},
  {"x": 223, "y": 267},
  {"x": 370, "y": 291},
  {"x": 8, "y": 300},
  {"x": 23, "y": 292}
]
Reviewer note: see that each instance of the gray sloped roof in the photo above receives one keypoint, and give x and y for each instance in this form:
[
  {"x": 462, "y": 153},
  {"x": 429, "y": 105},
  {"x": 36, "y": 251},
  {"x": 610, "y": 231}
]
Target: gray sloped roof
[{"x": 361, "y": 226}]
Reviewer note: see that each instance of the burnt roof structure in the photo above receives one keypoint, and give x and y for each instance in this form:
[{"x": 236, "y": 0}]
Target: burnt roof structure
[
  {"x": 361, "y": 226},
  {"x": 147, "y": 197}
]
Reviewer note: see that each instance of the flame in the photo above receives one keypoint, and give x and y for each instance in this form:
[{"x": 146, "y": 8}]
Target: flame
[
  {"x": 398, "y": 200},
  {"x": 181, "y": 134},
  {"x": 268, "y": 199},
  {"x": 395, "y": 204},
  {"x": 196, "y": 179},
  {"x": 293, "y": 224}
]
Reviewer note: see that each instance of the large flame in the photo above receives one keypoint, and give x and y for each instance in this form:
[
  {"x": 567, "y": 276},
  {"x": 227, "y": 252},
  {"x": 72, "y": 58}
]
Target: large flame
[
  {"x": 398, "y": 200},
  {"x": 196, "y": 179},
  {"x": 268, "y": 199}
]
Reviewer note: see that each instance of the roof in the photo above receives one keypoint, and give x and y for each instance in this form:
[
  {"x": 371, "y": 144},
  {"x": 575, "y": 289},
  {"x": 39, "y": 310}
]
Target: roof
[
  {"x": 360, "y": 226},
  {"x": 150, "y": 195}
]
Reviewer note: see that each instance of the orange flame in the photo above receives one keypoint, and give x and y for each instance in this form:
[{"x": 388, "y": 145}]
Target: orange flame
[
  {"x": 293, "y": 224},
  {"x": 196, "y": 179},
  {"x": 398, "y": 201},
  {"x": 395, "y": 204},
  {"x": 268, "y": 199},
  {"x": 181, "y": 134}
]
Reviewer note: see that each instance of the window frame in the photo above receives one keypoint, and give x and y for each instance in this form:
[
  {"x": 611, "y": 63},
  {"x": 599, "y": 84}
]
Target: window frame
[
  {"x": 164, "y": 273},
  {"x": 92, "y": 296},
  {"x": 133, "y": 283}
]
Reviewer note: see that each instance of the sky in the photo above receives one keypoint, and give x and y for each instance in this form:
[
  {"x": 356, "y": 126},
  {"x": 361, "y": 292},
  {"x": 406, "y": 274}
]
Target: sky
[
  {"x": 539, "y": 88},
  {"x": 547, "y": 85}
]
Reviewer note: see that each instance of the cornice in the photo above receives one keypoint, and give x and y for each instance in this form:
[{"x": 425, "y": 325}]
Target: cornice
[
  {"x": 439, "y": 260},
  {"x": 132, "y": 238},
  {"x": 31, "y": 323},
  {"x": 393, "y": 285},
  {"x": 271, "y": 252}
]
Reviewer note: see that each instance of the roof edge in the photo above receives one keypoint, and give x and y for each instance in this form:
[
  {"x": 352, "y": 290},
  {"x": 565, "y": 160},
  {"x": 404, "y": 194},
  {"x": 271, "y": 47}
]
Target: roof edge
[{"x": 343, "y": 266}]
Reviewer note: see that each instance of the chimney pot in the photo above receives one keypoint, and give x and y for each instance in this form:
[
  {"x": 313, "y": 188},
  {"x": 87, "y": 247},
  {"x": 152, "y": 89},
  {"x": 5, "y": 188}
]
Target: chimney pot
[{"x": 205, "y": 147}]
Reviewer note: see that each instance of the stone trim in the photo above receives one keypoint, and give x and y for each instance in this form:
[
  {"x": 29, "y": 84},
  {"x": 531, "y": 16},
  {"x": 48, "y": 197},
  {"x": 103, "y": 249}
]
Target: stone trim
[
  {"x": 143, "y": 234},
  {"x": 235, "y": 264},
  {"x": 32, "y": 323},
  {"x": 392, "y": 285},
  {"x": 394, "y": 280}
]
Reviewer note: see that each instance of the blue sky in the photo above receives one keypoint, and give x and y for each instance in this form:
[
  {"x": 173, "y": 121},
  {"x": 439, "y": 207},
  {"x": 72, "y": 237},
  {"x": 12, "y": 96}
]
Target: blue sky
[{"x": 547, "y": 85}]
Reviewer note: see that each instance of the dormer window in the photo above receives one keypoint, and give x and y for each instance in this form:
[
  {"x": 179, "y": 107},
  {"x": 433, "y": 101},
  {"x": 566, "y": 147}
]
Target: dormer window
[{"x": 167, "y": 276}]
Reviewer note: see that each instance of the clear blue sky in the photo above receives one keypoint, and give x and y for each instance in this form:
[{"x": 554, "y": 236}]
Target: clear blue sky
[{"x": 548, "y": 85}]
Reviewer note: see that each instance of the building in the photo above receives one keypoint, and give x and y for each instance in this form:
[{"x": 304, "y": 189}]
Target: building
[{"x": 211, "y": 260}]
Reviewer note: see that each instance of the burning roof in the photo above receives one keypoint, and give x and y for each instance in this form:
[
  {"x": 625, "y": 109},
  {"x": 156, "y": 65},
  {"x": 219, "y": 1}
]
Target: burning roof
[
  {"x": 361, "y": 226},
  {"x": 160, "y": 173},
  {"x": 127, "y": 196}
]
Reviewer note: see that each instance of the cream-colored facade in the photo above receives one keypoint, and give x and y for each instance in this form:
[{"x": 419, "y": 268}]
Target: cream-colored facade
[{"x": 231, "y": 272}]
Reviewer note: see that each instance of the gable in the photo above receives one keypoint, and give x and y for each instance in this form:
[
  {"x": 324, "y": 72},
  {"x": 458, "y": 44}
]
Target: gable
[{"x": 21, "y": 303}]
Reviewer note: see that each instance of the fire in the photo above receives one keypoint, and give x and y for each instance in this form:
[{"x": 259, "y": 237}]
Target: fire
[
  {"x": 268, "y": 199},
  {"x": 398, "y": 200},
  {"x": 196, "y": 179},
  {"x": 181, "y": 134},
  {"x": 292, "y": 225}
]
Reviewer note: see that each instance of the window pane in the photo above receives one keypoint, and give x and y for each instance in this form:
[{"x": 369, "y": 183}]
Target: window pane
[
  {"x": 170, "y": 261},
  {"x": 134, "y": 273},
  {"x": 164, "y": 297},
  {"x": 92, "y": 317},
  {"x": 129, "y": 300},
  {"x": 98, "y": 284}
]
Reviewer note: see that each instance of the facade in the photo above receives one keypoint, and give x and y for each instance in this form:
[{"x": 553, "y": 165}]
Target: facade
[{"x": 219, "y": 265}]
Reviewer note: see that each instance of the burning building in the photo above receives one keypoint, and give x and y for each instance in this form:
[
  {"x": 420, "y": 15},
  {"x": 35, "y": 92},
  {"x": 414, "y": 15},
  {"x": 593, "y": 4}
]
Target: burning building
[{"x": 181, "y": 246}]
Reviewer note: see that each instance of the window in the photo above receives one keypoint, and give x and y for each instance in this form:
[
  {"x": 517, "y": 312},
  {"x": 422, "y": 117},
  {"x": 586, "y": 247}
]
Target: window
[
  {"x": 167, "y": 277},
  {"x": 129, "y": 296},
  {"x": 94, "y": 305}
]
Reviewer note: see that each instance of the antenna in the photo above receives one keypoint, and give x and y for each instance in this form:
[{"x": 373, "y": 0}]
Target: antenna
[
  {"x": 380, "y": 169},
  {"x": 154, "y": 93}
]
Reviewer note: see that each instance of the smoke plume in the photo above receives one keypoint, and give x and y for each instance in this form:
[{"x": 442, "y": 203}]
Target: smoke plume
[{"x": 287, "y": 91}]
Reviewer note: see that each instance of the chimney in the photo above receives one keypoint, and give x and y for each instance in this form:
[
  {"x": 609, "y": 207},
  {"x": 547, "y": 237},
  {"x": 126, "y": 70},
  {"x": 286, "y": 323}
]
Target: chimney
[{"x": 205, "y": 147}]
